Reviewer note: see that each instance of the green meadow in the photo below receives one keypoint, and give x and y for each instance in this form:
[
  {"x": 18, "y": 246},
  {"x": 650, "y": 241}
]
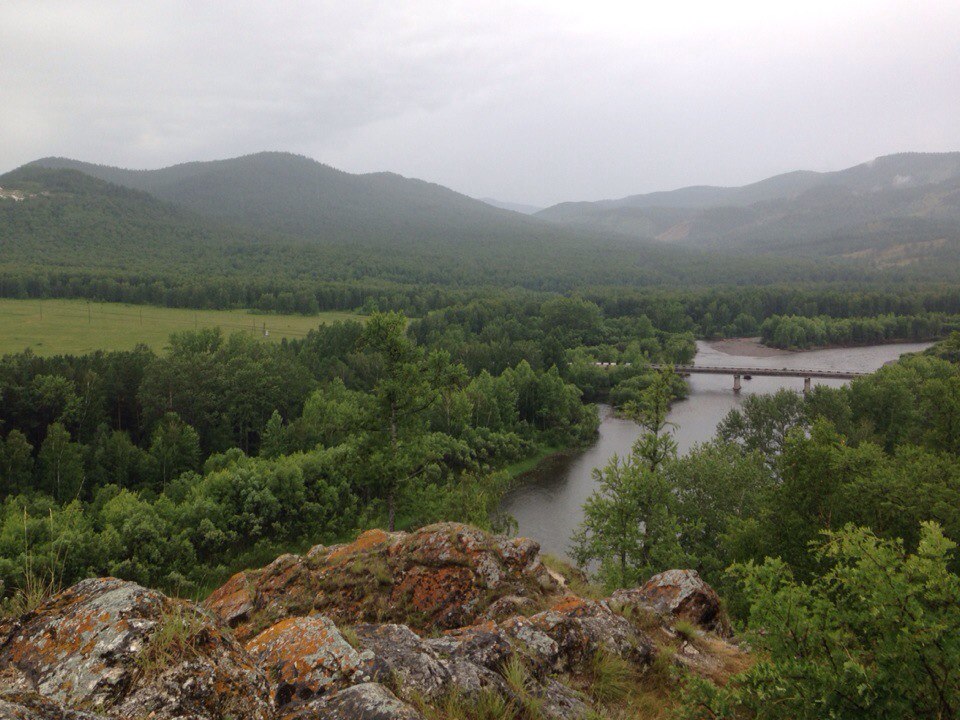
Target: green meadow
[{"x": 54, "y": 327}]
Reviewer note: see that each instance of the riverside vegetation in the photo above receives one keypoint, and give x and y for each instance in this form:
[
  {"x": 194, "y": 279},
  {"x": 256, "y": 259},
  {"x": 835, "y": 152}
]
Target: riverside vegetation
[{"x": 827, "y": 523}]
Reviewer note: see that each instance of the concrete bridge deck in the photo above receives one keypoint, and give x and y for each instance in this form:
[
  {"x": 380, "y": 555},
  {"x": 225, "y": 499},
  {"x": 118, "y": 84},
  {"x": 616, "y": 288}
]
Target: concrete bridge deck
[{"x": 739, "y": 373}]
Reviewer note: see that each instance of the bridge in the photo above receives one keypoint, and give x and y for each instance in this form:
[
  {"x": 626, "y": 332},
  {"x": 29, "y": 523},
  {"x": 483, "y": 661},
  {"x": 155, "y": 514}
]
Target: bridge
[{"x": 739, "y": 373}]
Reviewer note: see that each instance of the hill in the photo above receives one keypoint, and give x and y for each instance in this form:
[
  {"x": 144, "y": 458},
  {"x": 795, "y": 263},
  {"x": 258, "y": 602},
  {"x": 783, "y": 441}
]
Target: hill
[
  {"x": 297, "y": 196},
  {"x": 276, "y": 218},
  {"x": 897, "y": 202},
  {"x": 65, "y": 216}
]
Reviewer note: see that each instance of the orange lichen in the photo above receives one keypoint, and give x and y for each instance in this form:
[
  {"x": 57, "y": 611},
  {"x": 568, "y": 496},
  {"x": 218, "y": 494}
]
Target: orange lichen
[
  {"x": 568, "y": 604},
  {"x": 232, "y": 599},
  {"x": 429, "y": 590},
  {"x": 367, "y": 541}
]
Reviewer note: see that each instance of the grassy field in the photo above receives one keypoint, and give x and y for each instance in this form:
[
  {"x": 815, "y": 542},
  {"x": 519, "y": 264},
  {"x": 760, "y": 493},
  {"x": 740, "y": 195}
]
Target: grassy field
[{"x": 54, "y": 327}]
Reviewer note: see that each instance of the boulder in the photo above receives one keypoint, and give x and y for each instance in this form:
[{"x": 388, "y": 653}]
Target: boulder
[
  {"x": 483, "y": 645},
  {"x": 679, "y": 594},
  {"x": 117, "y": 648},
  {"x": 559, "y": 702},
  {"x": 305, "y": 657},
  {"x": 442, "y": 576}
]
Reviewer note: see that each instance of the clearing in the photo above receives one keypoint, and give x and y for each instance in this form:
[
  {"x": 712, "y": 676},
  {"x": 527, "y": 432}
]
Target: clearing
[{"x": 55, "y": 327}]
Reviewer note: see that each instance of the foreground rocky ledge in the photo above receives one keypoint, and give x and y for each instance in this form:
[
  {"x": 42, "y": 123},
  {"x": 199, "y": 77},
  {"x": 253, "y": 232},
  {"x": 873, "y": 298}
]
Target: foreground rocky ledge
[{"x": 379, "y": 629}]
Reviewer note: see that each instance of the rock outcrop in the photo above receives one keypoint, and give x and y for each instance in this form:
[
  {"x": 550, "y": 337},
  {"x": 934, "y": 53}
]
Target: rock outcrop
[
  {"x": 679, "y": 595},
  {"x": 116, "y": 648},
  {"x": 442, "y": 576},
  {"x": 374, "y": 629}
]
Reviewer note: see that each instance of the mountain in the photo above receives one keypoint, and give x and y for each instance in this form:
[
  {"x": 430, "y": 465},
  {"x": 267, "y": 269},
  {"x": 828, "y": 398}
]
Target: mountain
[
  {"x": 297, "y": 196},
  {"x": 887, "y": 202},
  {"x": 64, "y": 217},
  {"x": 514, "y": 207},
  {"x": 276, "y": 219}
]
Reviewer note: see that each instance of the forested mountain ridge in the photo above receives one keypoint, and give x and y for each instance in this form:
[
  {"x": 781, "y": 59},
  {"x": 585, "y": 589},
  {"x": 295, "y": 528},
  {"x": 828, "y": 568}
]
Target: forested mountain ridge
[
  {"x": 891, "y": 201},
  {"x": 191, "y": 223},
  {"x": 292, "y": 194},
  {"x": 66, "y": 211}
]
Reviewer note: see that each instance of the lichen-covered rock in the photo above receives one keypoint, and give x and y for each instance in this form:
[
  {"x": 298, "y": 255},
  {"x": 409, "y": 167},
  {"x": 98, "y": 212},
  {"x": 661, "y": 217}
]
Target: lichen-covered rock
[
  {"x": 442, "y": 576},
  {"x": 559, "y": 702},
  {"x": 482, "y": 644},
  {"x": 281, "y": 588},
  {"x": 307, "y": 656},
  {"x": 509, "y": 606},
  {"x": 401, "y": 655},
  {"x": 471, "y": 604},
  {"x": 600, "y": 627},
  {"x": 466, "y": 665},
  {"x": 679, "y": 594},
  {"x": 85, "y": 647},
  {"x": 30, "y": 706},
  {"x": 573, "y": 630},
  {"x": 367, "y": 701}
]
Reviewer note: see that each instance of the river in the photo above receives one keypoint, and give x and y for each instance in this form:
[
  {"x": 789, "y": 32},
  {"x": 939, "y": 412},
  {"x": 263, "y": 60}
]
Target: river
[{"x": 547, "y": 506}]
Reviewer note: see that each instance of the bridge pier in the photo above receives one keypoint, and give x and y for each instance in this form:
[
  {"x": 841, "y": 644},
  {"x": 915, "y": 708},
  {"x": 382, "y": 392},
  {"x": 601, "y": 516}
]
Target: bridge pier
[
  {"x": 736, "y": 384},
  {"x": 806, "y": 385}
]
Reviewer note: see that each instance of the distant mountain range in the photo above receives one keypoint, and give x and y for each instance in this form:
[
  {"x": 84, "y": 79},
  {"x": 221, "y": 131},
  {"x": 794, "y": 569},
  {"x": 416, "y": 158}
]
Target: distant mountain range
[
  {"x": 278, "y": 213},
  {"x": 896, "y": 212},
  {"x": 888, "y": 203}
]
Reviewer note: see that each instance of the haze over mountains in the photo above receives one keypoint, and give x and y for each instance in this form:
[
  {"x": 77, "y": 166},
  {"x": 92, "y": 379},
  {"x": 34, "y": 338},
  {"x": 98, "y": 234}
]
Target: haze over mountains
[
  {"x": 278, "y": 214},
  {"x": 290, "y": 194},
  {"x": 896, "y": 211},
  {"x": 895, "y": 199}
]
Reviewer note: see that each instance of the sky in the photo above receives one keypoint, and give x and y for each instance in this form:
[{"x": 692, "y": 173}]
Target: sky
[{"x": 527, "y": 101}]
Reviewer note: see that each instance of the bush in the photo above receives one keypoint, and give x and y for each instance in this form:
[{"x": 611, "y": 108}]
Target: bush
[{"x": 875, "y": 636}]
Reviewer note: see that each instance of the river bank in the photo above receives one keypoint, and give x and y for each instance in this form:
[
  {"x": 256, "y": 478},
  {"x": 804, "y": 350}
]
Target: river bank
[
  {"x": 546, "y": 501},
  {"x": 745, "y": 347},
  {"x": 542, "y": 455},
  {"x": 754, "y": 346}
]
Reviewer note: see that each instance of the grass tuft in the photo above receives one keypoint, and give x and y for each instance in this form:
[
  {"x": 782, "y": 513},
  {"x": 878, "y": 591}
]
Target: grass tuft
[
  {"x": 517, "y": 676},
  {"x": 36, "y": 586},
  {"x": 611, "y": 677},
  {"x": 686, "y": 630},
  {"x": 178, "y": 637},
  {"x": 575, "y": 578},
  {"x": 35, "y": 589},
  {"x": 350, "y": 635}
]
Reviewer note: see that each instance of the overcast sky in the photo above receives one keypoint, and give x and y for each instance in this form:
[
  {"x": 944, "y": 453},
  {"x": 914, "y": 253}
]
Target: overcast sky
[{"x": 527, "y": 101}]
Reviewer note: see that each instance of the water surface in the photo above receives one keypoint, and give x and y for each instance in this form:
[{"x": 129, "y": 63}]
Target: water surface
[{"x": 547, "y": 506}]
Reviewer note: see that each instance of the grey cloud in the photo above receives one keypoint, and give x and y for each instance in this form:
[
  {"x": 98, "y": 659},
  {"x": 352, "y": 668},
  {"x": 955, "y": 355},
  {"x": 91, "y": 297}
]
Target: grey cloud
[{"x": 533, "y": 102}]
